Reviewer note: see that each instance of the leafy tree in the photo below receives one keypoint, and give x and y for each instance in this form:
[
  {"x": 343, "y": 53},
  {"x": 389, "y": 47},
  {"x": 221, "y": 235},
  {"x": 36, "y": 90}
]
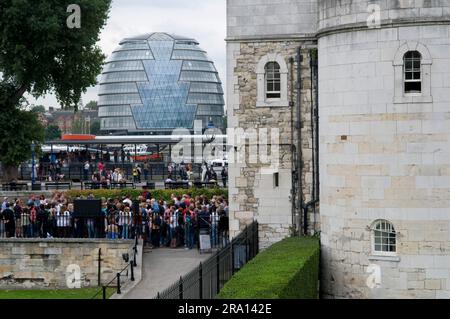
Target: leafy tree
[
  {"x": 52, "y": 132},
  {"x": 18, "y": 128},
  {"x": 40, "y": 54},
  {"x": 95, "y": 128},
  {"x": 92, "y": 105}
]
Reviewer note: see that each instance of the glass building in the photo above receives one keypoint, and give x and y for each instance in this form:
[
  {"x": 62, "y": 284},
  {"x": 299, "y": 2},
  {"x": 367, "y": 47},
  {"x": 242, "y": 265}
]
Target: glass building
[{"x": 157, "y": 82}]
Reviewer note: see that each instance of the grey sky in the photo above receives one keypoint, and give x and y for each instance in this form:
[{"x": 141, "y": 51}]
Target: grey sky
[{"x": 204, "y": 20}]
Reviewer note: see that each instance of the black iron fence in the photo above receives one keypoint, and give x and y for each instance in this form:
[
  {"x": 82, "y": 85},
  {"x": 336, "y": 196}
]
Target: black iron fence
[
  {"x": 65, "y": 225},
  {"x": 118, "y": 225},
  {"x": 206, "y": 280},
  {"x": 75, "y": 171},
  {"x": 122, "y": 277}
]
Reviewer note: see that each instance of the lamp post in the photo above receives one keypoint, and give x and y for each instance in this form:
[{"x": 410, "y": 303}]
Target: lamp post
[{"x": 33, "y": 164}]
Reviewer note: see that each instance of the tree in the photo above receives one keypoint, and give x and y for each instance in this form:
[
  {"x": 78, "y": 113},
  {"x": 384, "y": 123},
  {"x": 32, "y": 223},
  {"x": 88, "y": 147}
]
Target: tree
[
  {"x": 92, "y": 105},
  {"x": 95, "y": 128},
  {"x": 52, "y": 132},
  {"x": 18, "y": 129},
  {"x": 40, "y": 52}
]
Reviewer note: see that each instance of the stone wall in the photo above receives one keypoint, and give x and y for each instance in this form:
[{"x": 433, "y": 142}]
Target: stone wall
[
  {"x": 252, "y": 191},
  {"x": 42, "y": 263},
  {"x": 384, "y": 158},
  {"x": 271, "y": 18}
]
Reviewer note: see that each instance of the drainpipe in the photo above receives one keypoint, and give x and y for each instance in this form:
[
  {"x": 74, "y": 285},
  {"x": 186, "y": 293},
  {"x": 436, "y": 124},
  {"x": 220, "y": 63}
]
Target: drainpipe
[
  {"x": 293, "y": 168},
  {"x": 315, "y": 145},
  {"x": 299, "y": 138}
]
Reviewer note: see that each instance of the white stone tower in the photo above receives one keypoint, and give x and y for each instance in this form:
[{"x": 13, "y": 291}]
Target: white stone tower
[{"x": 384, "y": 96}]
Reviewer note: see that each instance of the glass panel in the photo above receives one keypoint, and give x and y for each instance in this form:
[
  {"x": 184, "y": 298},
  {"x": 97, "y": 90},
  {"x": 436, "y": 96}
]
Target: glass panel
[
  {"x": 123, "y": 66},
  {"x": 124, "y": 77},
  {"x": 201, "y": 87},
  {"x": 115, "y": 110},
  {"x": 198, "y": 66},
  {"x": 189, "y": 55},
  {"x": 131, "y": 55},
  {"x": 117, "y": 122},
  {"x": 116, "y": 99},
  {"x": 198, "y": 76},
  {"x": 202, "y": 98},
  {"x": 142, "y": 45},
  {"x": 118, "y": 88}
]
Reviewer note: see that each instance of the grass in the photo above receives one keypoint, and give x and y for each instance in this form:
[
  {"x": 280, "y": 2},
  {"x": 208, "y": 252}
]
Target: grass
[
  {"x": 83, "y": 293},
  {"x": 287, "y": 270}
]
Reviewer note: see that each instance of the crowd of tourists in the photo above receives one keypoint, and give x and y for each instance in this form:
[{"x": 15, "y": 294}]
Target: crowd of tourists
[{"x": 175, "y": 223}]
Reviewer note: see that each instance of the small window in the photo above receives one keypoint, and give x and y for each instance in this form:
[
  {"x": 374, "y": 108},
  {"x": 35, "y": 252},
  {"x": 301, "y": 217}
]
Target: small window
[
  {"x": 412, "y": 72},
  {"x": 273, "y": 80},
  {"x": 276, "y": 180},
  {"x": 384, "y": 238}
]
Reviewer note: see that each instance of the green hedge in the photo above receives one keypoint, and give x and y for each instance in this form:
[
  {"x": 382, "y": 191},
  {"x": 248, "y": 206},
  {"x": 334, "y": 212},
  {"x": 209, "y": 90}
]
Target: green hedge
[
  {"x": 156, "y": 193},
  {"x": 287, "y": 270}
]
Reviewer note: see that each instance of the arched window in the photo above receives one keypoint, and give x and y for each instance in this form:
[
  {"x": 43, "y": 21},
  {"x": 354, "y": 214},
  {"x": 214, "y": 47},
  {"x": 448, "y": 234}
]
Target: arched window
[
  {"x": 413, "y": 72},
  {"x": 273, "y": 80},
  {"x": 384, "y": 238}
]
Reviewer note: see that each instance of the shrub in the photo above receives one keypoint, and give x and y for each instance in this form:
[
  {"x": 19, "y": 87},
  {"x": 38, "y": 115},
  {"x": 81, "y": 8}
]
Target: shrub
[
  {"x": 287, "y": 270},
  {"x": 156, "y": 193}
]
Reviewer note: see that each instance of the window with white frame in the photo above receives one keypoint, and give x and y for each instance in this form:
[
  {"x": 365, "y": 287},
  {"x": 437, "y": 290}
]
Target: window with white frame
[
  {"x": 273, "y": 80},
  {"x": 413, "y": 72},
  {"x": 384, "y": 238}
]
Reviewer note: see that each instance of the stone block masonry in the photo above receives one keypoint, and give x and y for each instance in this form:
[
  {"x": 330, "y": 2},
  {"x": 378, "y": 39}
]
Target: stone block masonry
[
  {"x": 43, "y": 263},
  {"x": 253, "y": 194}
]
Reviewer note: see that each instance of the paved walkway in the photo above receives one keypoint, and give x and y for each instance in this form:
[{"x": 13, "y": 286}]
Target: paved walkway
[{"x": 161, "y": 268}]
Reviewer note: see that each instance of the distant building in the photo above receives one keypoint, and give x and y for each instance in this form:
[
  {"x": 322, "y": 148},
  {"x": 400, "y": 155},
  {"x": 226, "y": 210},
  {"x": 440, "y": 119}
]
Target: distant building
[
  {"x": 66, "y": 120},
  {"x": 158, "y": 82}
]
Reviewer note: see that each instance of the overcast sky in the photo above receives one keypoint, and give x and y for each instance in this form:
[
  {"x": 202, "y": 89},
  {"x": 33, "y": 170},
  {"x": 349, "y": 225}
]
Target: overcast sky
[{"x": 204, "y": 20}]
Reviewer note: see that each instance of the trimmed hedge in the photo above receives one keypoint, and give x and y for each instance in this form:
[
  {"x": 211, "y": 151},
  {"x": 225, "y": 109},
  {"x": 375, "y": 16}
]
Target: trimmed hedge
[
  {"x": 288, "y": 269},
  {"x": 156, "y": 193}
]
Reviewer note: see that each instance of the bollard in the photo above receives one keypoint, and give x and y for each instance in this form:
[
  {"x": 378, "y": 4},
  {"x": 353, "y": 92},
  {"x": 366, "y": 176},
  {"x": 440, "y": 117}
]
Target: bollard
[
  {"x": 132, "y": 271},
  {"x": 200, "y": 284},
  {"x": 118, "y": 284},
  {"x": 104, "y": 292},
  {"x": 180, "y": 286}
]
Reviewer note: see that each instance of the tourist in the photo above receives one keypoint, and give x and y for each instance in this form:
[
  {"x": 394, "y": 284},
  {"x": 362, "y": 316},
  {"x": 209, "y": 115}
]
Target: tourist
[
  {"x": 9, "y": 221},
  {"x": 224, "y": 174},
  {"x": 18, "y": 210},
  {"x": 26, "y": 223},
  {"x": 86, "y": 170},
  {"x": 146, "y": 170}
]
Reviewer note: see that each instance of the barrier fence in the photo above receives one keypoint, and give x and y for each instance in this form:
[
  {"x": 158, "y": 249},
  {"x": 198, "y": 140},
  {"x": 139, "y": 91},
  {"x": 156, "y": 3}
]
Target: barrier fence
[
  {"x": 206, "y": 280},
  {"x": 123, "y": 277}
]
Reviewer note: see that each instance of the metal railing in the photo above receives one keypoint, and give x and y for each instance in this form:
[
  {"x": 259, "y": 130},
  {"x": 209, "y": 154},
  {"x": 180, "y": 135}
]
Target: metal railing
[
  {"x": 206, "y": 280},
  {"x": 122, "y": 277},
  {"x": 42, "y": 225}
]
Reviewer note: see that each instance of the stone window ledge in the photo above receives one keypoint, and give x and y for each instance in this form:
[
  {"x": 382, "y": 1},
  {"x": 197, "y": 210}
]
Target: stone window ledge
[
  {"x": 384, "y": 258},
  {"x": 412, "y": 99},
  {"x": 272, "y": 103}
]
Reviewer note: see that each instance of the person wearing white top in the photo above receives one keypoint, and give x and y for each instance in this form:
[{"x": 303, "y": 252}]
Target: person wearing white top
[{"x": 125, "y": 219}]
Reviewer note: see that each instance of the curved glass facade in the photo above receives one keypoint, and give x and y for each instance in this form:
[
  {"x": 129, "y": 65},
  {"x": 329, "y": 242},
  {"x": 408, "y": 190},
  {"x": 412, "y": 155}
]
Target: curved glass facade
[{"x": 158, "y": 82}]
